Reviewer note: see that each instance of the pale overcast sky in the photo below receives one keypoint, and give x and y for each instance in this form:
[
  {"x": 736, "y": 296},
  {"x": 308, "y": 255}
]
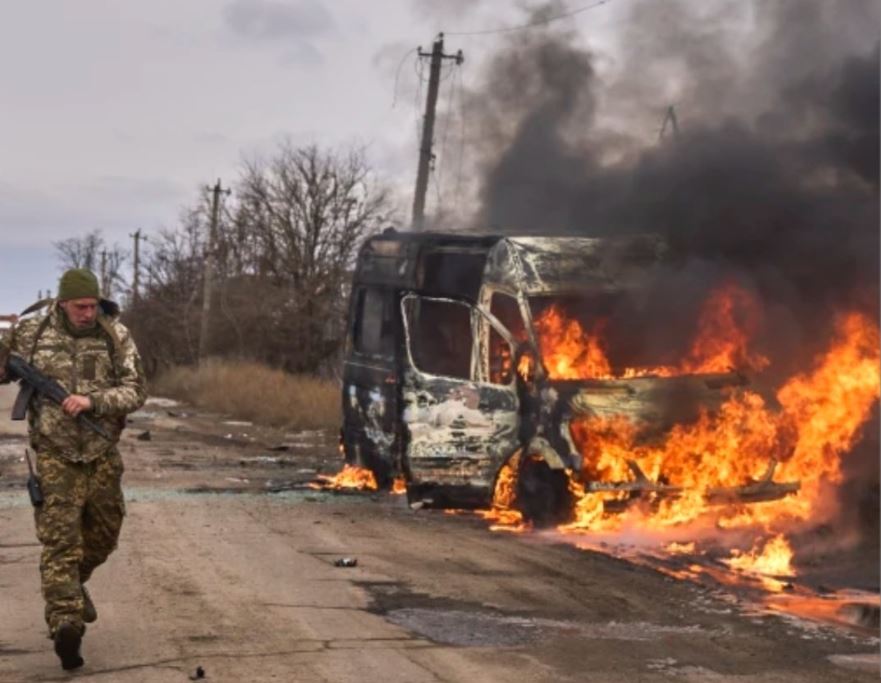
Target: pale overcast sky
[{"x": 116, "y": 113}]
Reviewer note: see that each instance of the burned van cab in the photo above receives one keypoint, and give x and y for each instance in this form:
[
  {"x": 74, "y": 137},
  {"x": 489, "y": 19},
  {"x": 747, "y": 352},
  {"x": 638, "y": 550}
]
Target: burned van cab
[{"x": 448, "y": 376}]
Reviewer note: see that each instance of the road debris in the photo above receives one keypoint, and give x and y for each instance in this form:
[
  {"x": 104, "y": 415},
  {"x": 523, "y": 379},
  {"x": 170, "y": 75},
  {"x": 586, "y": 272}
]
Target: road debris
[{"x": 346, "y": 562}]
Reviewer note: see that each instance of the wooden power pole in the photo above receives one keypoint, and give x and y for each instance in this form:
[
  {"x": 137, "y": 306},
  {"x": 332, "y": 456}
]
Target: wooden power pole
[
  {"x": 136, "y": 266},
  {"x": 105, "y": 290},
  {"x": 425, "y": 148},
  {"x": 208, "y": 272}
]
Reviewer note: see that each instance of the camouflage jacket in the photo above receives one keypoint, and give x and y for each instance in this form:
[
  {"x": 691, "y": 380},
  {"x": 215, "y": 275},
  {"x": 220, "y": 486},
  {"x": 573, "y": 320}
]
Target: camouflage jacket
[{"x": 104, "y": 365}]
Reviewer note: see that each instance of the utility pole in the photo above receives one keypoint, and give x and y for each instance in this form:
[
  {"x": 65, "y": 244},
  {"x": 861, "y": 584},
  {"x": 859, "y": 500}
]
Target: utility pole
[
  {"x": 105, "y": 291},
  {"x": 208, "y": 272},
  {"x": 669, "y": 118},
  {"x": 136, "y": 276},
  {"x": 426, "y": 156}
]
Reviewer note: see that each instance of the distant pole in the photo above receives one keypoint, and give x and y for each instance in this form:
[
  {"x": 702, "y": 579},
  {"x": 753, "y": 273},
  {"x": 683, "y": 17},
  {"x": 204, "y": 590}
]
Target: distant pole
[
  {"x": 104, "y": 290},
  {"x": 208, "y": 270},
  {"x": 669, "y": 118},
  {"x": 136, "y": 276},
  {"x": 425, "y": 148}
]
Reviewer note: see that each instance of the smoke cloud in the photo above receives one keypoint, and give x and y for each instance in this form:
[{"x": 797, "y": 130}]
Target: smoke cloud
[
  {"x": 769, "y": 177},
  {"x": 773, "y": 172}
]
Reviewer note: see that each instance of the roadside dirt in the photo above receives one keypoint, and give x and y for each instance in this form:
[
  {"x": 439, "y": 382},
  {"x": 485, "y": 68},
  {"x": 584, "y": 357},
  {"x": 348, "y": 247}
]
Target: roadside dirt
[{"x": 227, "y": 563}]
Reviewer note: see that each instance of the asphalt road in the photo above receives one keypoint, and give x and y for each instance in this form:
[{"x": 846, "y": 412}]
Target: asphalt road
[{"x": 227, "y": 563}]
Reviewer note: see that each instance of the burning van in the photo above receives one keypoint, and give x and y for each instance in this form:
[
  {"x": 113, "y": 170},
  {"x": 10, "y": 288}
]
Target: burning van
[{"x": 476, "y": 361}]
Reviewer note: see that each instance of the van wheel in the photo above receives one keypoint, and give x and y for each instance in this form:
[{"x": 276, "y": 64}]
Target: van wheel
[{"x": 543, "y": 495}]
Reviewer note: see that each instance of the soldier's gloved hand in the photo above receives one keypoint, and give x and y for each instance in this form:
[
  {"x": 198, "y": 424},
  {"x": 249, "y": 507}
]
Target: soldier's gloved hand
[{"x": 75, "y": 404}]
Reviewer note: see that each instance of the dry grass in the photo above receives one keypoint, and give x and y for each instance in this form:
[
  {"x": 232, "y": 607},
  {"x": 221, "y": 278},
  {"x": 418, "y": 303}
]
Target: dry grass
[{"x": 251, "y": 391}]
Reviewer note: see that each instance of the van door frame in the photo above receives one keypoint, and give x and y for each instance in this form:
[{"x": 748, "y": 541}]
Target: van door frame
[
  {"x": 370, "y": 397},
  {"x": 457, "y": 432}
]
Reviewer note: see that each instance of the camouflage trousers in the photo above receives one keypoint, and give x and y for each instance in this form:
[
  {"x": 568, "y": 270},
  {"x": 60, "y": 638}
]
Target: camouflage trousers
[{"x": 78, "y": 526}]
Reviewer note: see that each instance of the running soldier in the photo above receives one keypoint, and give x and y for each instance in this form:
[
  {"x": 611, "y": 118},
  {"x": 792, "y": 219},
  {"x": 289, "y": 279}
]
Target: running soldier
[{"x": 77, "y": 340}]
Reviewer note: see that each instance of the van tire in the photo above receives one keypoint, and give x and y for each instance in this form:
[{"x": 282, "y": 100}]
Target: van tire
[{"x": 542, "y": 494}]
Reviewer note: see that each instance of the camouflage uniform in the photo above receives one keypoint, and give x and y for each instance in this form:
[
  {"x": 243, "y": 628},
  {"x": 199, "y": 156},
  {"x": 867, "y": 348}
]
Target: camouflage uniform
[{"x": 80, "y": 471}]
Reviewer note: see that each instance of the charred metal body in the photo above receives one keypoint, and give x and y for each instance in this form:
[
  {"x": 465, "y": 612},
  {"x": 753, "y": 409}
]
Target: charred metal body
[{"x": 439, "y": 324}]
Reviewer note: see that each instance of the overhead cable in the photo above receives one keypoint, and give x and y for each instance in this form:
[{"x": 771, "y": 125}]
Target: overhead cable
[{"x": 537, "y": 22}]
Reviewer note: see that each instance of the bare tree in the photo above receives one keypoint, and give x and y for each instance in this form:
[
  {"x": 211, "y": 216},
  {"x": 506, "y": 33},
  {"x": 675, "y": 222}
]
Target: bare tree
[
  {"x": 164, "y": 320},
  {"x": 80, "y": 252},
  {"x": 110, "y": 270},
  {"x": 297, "y": 224},
  {"x": 286, "y": 244},
  {"x": 92, "y": 252},
  {"x": 291, "y": 240}
]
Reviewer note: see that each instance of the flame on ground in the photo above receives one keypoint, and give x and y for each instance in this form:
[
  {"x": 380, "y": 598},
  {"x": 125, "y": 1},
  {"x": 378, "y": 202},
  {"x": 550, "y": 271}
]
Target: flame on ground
[
  {"x": 772, "y": 558},
  {"x": 399, "y": 486},
  {"x": 349, "y": 478},
  {"x": 680, "y": 548}
]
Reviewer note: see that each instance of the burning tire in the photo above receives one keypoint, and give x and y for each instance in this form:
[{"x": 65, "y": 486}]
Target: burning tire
[{"x": 542, "y": 494}]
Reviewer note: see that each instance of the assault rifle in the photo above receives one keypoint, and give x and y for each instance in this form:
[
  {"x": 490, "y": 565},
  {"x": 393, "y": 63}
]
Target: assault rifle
[{"x": 32, "y": 381}]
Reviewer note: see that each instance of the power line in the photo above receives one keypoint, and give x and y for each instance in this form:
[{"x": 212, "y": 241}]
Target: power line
[
  {"x": 417, "y": 101},
  {"x": 440, "y": 165},
  {"x": 537, "y": 22},
  {"x": 398, "y": 76},
  {"x": 460, "y": 161}
]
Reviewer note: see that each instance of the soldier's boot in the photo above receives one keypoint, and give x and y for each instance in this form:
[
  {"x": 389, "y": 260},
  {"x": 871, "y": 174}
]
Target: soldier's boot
[
  {"x": 90, "y": 614},
  {"x": 67, "y": 646}
]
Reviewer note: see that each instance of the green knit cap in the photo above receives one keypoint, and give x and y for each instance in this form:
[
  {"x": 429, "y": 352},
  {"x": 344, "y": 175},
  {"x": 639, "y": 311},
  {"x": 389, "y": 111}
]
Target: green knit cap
[{"x": 78, "y": 283}]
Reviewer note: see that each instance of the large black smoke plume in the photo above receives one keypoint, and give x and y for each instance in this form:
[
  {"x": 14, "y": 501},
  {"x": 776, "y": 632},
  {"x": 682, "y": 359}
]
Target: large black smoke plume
[
  {"x": 774, "y": 169},
  {"x": 771, "y": 176}
]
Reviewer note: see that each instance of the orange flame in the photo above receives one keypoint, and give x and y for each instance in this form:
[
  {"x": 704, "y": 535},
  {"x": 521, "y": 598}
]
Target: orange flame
[
  {"x": 680, "y": 548},
  {"x": 773, "y": 558},
  {"x": 815, "y": 422},
  {"x": 568, "y": 351},
  {"x": 819, "y": 421},
  {"x": 399, "y": 486},
  {"x": 729, "y": 318},
  {"x": 524, "y": 366},
  {"x": 502, "y": 513},
  {"x": 350, "y": 477}
]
